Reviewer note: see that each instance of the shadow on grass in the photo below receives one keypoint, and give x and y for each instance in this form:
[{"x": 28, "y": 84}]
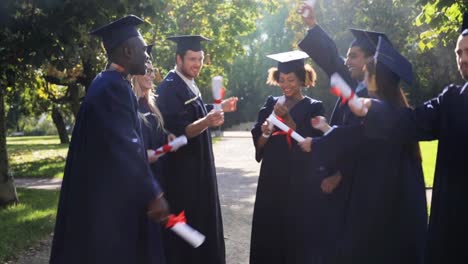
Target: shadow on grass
[
  {"x": 43, "y": 168},
  {"x": 19, "y": 148},
  {"x": 23, "y": 225}
]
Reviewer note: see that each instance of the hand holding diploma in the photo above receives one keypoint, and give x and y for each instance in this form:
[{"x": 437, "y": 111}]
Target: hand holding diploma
[
  {"x": 306, "y": 144},
  {"x": 366, "y": 103},
  {"x": 171, "y": 146},
  {"x": 158, "y": 209},
  {"x": 340, "y": 88},
  {"x": 178, "y": 224},
  {"x": 307, "y": 11},
  {"x": 230, "y": 104},
  {"x": 279, "y": 124},
  {"x": 320, "y": 123},
  {"x": 307, "y": 7},
  {"x": 280, "y": 101}
]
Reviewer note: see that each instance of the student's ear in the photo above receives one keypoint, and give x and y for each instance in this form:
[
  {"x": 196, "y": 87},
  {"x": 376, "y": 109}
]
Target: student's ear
[
  {"x": 179, "y": 59},
  {"x": 127, "y": 51}
]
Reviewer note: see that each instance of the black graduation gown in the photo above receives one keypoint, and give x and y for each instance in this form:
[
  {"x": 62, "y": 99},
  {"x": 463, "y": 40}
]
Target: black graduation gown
[
  {"x": 190, "y": 180},
  {"x": 288, "y": 216},
  {"x": 386, "y": 214},
  {"x": 107, "y": 183},
  {"x": 153, "y": 137},
  {"x": 322, "y": 49},
  {"x": 443, "y": 118}
]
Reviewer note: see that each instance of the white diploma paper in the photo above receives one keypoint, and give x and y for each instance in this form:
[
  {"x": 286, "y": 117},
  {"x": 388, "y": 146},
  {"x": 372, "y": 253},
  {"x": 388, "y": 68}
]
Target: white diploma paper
[
  {"x": 338, "y": 82},
  {"x": 186, "y": 232},
  {"x": 171, "y": 146},
  {"x": 275, "y": 121},
  {"x": 217, "y": 90}
]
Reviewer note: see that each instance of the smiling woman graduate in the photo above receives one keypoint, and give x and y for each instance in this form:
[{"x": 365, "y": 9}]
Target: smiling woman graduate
[{"x": 287, "y": 220}]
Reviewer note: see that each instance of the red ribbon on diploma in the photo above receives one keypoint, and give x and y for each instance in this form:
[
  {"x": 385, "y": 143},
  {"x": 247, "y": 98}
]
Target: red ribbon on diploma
[
  {"x": 337, "y": 92},
  {"x": 173, "y": 219},
  {"x": 287, "y": 134},
  {"x": 166, "y": 148},
  {"x": 223, "y": 93}
]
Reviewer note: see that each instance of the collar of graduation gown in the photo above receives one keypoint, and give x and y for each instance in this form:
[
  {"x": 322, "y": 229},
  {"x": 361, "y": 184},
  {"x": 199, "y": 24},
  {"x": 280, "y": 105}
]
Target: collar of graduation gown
[
  {"x": 464, "y": 89},
  {"x": 361, "y": 86},
  {"x": 190, "y": 83},
  {"x": 120, "y": 69}
]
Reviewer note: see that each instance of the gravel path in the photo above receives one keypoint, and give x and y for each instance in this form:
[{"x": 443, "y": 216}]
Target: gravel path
[{"x": 237, "y": 173}]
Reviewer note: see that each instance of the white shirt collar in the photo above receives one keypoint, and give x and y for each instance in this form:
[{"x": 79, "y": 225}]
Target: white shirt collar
[
  {"x": 464, "y": 88},
  {"x": 190, "y": 83},
  {"x": 361, "y": 86}
]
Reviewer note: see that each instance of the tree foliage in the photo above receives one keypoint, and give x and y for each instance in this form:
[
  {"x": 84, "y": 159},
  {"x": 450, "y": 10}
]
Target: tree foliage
[{"x": 48, "y": 59}]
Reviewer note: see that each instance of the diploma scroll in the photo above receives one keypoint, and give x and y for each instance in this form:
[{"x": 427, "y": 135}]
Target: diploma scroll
[
  {"x": 341, "y": 88},
  {"x": 281, "y": 100},
  {"x": 275, "y": 121},
  {"x": 218, "y": 92},
  {"x": 171, "y": 146},
  {"x": 178, "y": 224},
  {"x": 310, "y": 3}
]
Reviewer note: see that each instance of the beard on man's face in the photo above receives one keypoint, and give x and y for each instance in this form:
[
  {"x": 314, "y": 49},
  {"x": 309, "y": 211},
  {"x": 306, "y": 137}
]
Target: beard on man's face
[{"x": 463, "y": 69}]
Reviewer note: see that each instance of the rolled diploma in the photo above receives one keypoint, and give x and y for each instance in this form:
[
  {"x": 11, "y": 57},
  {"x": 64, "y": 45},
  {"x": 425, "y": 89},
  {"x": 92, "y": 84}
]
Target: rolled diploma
[
  {"x": 310, "y": 3},
  {"x": 171, "y": 146},
  {"x": 217, "y": 90},
  {"x": 281, "y": 100},
  {"x": 275, "y": 121},
  {"x": 346, "y": 92},
  {"x": 186, "y": 232}
]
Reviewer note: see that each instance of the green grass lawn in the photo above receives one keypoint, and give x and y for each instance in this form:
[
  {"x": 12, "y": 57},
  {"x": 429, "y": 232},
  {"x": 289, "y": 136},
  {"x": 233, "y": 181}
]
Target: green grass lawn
[
  {"x": 429, "y": 154},
  {"x": 44, "y": 157},
  {"x": 37, "y": 157},
  {"x": 23, "y": 225}
]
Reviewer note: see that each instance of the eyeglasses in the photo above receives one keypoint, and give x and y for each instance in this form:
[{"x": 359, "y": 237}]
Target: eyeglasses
[{"x": 149, "y": 71}]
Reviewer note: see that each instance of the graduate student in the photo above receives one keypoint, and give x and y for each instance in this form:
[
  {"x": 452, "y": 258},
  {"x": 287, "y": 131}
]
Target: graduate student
[
  {"x": 323, "y": 51},
  {"x": 442, "y": 118},
  {"x": 386, "y": 214},
  {"x": 152, "y": 123},
  {"x": 288, "y": 221},
  {"x": 109, "y": 196},
  {"x": 191, "y": 185}
]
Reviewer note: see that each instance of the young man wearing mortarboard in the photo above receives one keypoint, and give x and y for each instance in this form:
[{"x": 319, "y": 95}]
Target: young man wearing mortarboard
[
  {"x": 109, "y": 196},
  {"x": 191, "y": 184},
  {"x": 442, "y": 118},
  {"x": 322, "y": 49},
  {"x": 386, "y": 214}
]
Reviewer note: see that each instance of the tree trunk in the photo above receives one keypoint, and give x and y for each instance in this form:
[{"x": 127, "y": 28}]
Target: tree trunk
[
  {"x": 75, "y": 103},
  {"x": 7, "y": 188},
  {"x": 60, "y": 125}
]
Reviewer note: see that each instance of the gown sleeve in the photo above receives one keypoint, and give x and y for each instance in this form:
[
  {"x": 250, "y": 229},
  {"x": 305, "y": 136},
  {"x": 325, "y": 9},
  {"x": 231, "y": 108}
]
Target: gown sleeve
[
  {"x": 419, "y": 124},
  {"x": 256, "y": 131},
  {"x": 114, "y": 114},
  {"x": 322, "y": 49}
]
